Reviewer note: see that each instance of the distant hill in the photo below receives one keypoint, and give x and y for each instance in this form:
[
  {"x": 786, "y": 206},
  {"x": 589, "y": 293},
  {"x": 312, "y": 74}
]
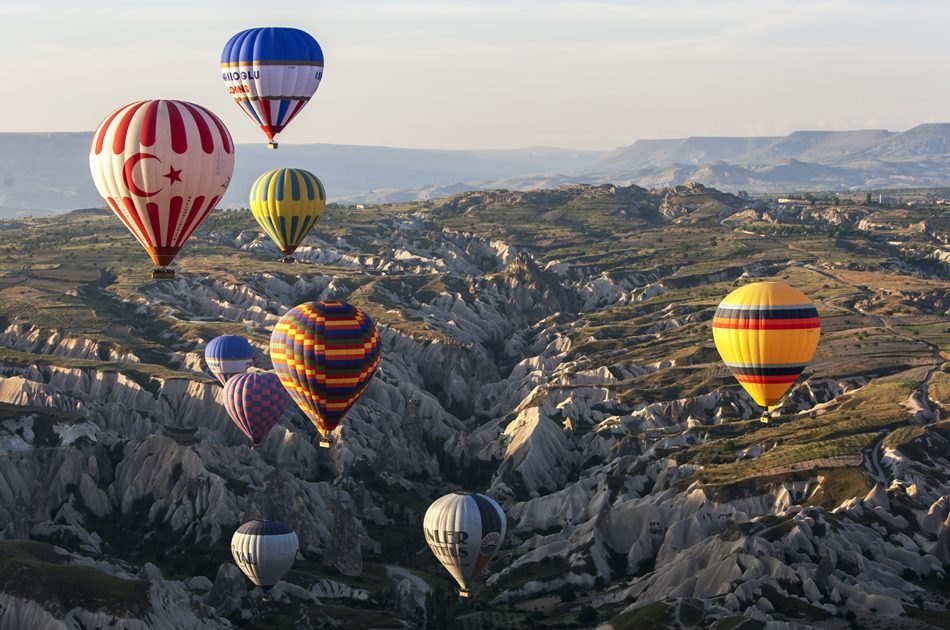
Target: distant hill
[
  {"x": 835, "y": 148},
  {"x": 44, "y": 172},
  {"x": 658, "y": 153},
  {"x": 800, "y": 161},
  {"x": 40, "y": 173}
]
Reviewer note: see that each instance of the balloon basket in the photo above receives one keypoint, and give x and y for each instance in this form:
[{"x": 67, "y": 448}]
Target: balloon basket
[
  {"x": 163, "y": 273},
  {"x": 464, "y": 592},
  {"x": 324, "y": 442},
  {"x": 271, "y": 145},
  {"x": 288, "y": 259}
]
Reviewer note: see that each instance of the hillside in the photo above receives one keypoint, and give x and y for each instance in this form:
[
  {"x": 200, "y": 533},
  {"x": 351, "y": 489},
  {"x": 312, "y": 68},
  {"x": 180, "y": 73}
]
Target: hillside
[
  {"x": 801, "y": 161},
  {"x": 40, "y": 173},
  {"x": 552, "y": 348}
]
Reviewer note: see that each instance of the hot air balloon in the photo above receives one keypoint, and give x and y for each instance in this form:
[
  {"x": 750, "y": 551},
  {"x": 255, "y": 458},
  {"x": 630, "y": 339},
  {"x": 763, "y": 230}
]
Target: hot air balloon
[
  {"x": 325, "y": 354},
  {"x": 464, "y": 530},
  {"x": 264, "y": 551},
  {"x": 227, "y": 356},
  {"x": 271, "y": 73},
  {"x": 766, "y": 333},
  {"x": 255, "y": 401},
  {"x": 161, "y": 166},
  {"x": 287, "y": 202}
]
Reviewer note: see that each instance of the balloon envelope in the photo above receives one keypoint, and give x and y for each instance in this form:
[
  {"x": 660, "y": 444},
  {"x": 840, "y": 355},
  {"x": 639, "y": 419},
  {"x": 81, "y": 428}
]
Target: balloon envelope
[
  {"x": 161, "y": 166},
  {"x": 464, "y": 530},
  {"x": 286, "y": 203},
  {"x": 255, "y": 401},
  {"x": 271, "y": 73},
  {"x": 264, "y": 551},
  {"x": 325, "y": 354},
  {"x": 766, "y": 333},
  {"x": 227, "y": 356}
]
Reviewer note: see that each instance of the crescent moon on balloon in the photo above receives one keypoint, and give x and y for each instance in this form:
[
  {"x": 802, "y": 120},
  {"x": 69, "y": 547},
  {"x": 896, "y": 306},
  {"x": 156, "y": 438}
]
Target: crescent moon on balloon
[{"x": 127, "y": 175}]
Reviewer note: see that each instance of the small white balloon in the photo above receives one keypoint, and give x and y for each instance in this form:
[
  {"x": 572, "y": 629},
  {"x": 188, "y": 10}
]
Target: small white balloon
[
  {"x": 464, "y": 530},
  {"x": 264, "y": 551}
]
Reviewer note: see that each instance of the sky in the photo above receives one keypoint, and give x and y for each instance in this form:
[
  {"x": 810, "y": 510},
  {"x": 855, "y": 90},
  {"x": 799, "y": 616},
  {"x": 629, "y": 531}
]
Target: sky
[{"x": 497, "y": 74}]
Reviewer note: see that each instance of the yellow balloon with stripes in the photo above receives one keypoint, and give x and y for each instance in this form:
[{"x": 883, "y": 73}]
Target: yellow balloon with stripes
[
  {"x": 766, "y": 333},
  {"x": 287, "y": 202}
]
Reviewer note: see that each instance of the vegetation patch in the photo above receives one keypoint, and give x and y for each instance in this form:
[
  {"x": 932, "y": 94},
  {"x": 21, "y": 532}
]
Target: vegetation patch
[
  {"x": 34, "y": 570},
  {"x": 655, "y": 615},
  {"x": 549, "y": 568},
  {"x": 835, "y": 486}
]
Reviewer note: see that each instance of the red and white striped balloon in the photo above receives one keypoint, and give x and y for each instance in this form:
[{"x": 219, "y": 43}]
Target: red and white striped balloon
[{"x": 162, "y": 166}]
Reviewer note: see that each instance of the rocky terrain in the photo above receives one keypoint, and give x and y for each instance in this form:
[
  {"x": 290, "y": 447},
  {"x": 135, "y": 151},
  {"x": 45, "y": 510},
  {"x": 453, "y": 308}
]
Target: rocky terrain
[{"x": 552, "y": 348}]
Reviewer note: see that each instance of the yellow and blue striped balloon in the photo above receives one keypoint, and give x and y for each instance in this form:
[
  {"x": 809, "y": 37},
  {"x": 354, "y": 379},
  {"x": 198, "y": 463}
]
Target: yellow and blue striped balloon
[{"x": 287, "y": 202}]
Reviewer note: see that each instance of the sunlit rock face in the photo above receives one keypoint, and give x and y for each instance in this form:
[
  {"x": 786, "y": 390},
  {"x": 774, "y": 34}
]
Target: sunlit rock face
[{"x": 36, "y": 340}]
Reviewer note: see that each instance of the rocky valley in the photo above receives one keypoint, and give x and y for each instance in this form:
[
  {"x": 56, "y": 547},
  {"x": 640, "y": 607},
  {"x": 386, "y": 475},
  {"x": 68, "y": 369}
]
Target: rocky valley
[{"x": 550, "y": 348}]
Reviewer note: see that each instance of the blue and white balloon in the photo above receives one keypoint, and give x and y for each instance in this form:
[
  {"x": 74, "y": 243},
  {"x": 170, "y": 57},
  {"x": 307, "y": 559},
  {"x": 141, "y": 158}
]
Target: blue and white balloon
[
  {"x": 271, "y": 73},
  {"x": 227, "y": 356}
]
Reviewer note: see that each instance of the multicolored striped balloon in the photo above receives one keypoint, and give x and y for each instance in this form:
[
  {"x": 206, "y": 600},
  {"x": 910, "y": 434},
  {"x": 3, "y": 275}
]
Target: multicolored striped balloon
[
  {"x": 255, "y": 401},
  {"x": 287, "y": 202},
  {"x": 325, "y": 354},
  {"x": 227, "y": 356},
  {"x": 766, "y": 333}
]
